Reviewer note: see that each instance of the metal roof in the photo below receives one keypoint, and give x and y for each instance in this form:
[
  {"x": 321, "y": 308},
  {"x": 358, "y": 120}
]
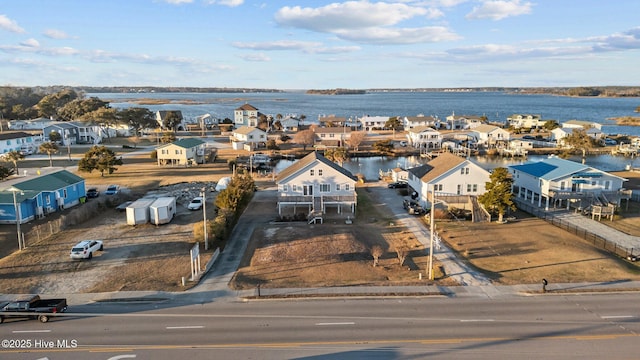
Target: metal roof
[{"x": 309, "y": 159}]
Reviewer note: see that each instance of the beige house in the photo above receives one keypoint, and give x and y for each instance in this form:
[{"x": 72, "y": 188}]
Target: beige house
[
  {"x": 314, "y": 185},
  {"x": 489, "y": 135},
  {"x": 519, "y": 121},
  {"x": 246, "y": 115},
  {"x": 248, "y": 138},
  {"x": 331, "y": 136},
  {"x": 183, "y": 152}
]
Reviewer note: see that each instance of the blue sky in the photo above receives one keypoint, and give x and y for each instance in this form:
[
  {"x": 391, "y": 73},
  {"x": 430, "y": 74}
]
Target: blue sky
[{"x": 320, "y": 44}]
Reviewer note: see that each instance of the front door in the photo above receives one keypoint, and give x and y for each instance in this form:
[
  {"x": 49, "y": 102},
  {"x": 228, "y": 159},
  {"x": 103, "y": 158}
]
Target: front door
[{"x": 308, "y": 189}]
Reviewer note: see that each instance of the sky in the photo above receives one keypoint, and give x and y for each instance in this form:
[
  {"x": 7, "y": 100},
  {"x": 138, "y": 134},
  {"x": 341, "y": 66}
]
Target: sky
[{"x": 317, "y": 44}]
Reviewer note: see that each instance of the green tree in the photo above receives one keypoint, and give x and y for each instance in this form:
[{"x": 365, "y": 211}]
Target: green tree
[
  {"x": 168, "y": 137},
  {"x": 49, "y": 105},
  {"x": 14, "y": 156},
  {"x": 172, "y": 120},
  {"x": 138, "y": 119},
  {"x": 383, "y": 146},
  {"x": 339, "y": 155},
  {"x": 55, "y": 137},
  {"x": 498, "y": 196},
  {"x": 393, "y": 123},
  {"x": 78, "y": 108},
  {"x": 578, "y": 140},
  {"x": 107, "y": 118},
  {"x": 237, "y": 194},
  {"x": 550, "y": 125},
  {"x": 5, "y": 172},
  {"x": 49, "y": 148},
  {"x": 99, "y": 158}
]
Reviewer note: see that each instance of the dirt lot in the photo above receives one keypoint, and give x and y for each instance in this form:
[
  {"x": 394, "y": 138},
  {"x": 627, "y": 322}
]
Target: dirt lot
[{"x": 155, "y": 258}]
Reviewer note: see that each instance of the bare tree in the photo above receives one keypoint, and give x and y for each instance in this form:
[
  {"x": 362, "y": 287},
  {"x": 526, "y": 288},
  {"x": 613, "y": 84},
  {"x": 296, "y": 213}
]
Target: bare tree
[
  {"x": 305, "y": 138},
  {"x": 402, "y": 253},
  {"x": 355, "y": 139},
  {"x": 376, "y": 252}
]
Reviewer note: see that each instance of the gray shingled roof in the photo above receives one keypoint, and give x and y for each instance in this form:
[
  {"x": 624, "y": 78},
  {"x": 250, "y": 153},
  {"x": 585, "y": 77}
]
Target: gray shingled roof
[{"x": 307, "y": 160}]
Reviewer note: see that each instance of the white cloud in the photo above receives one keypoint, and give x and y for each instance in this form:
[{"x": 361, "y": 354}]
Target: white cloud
[
  {"x": 399, "y": 36},
  {"x": 55, "y": 34},
  {"x": 178, "y": 2},
  {"x": 10, "y": 25},
  {"x": 33, "y": 43},
  {"x": 259, "y": 57},
  {"x": 499, "y": 9},
  {"x": 347, "y": 15},
  {"x": 277, "y": 45},
  {"x": 366, "y": 22},
  {"x": 230, "y": 3}
]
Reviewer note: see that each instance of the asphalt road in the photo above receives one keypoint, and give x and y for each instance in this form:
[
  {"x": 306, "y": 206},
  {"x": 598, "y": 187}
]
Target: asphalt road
[{"x": 549, "y": 327}]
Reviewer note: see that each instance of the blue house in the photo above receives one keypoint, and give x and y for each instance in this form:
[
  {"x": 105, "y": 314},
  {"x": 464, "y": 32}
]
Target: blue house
[{"x": 41, "y": 195}]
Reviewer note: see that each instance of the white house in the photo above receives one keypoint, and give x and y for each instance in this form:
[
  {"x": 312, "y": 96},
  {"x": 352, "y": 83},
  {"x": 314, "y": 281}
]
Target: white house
[
  {"x": 248, "y": 137},
  {"x": 370, "y": 123},
  {"x": 559, "y": 182},
  {"x": 182, "y": 152},
  {"x": 313, "y": 185},
  {"x": 448, "y": 175},
  {"x": 14, "y": 141},
  {"x": 331, "y": 136},
  {"x": 424, "y": 137},
  {"x": 245, "y": 115},
  {"x": 558, "y": 134},
  {"x": 410, "y": 122},
  {"x": 463, "y": 122},
  {"x": 31, "y": 124},
  {"x": 525, "y": 121},
  {"x": 490, "y": 135}
]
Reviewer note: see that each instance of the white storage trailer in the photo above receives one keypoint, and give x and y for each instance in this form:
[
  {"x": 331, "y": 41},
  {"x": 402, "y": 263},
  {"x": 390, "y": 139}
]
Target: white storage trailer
[
  {"x": 162, "y": 210},
  {"x": 138, "y": 211}
]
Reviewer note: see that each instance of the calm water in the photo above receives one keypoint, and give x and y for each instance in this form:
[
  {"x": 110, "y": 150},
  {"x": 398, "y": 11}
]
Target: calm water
[{"x": 497, "y": 106}]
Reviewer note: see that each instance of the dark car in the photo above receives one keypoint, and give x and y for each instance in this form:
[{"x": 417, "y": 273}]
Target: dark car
[
  {"x": 413, "y": 207},
  {"x": 93, "y": 193},
  {"x": 397, "y": 185}
]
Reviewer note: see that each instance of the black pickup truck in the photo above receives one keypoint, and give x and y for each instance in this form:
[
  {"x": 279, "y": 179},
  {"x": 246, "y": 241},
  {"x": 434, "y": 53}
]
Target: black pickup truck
[{"x": 32, "y": 308}]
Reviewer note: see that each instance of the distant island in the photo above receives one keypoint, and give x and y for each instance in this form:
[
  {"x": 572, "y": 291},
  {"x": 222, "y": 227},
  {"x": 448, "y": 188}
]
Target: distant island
[{"x": 336, "y": 92}]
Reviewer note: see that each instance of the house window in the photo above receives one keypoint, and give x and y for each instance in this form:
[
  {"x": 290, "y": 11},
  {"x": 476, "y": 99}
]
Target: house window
[
  {"x": 319, "y": 172},
  {"x": 250, "y": 137},
  {"x": 607, "y": 185},
  {"x": 64, "y": 193},
  {"x": 346, "y": 187},
  {"x": 468, "y": 187},
  {"x": 464, "y": 171},
  {"x": 325, "y": 187},
  {"x": 311, "y": 172},
  {"x": 438, "y": 187},
  {"x": 294, "y": 187},
  {"x": 284, "y": 188},
  {"x": 337, "y": 187},
  {"x": 562, "y": 185}
]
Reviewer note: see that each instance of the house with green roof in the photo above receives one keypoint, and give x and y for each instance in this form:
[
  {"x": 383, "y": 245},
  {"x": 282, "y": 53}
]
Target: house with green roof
[
  {"x": 40, "y": 195},
  {"x": 183, "y": 152}
]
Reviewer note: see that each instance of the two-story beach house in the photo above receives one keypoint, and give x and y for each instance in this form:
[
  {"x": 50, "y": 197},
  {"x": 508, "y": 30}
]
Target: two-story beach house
[
  {"x": 451, "y": 177},
  {"x": 410, "y": 122},
  {"x": 182, "y": 152},
  {"x": 248, "y": 138},
  {"x": 463, "y": 122},
  {"x": 562, "y": 183},
  {"x": 245, "y": 115},
  {"x": 316, "y": 186},
  {"x": 370, "y": 123},
  {"x": 525, "y": 121},
  {"x": 490, "y": 135},
  {"x": 424, "y": 137},
  {"x": 331, "y": 136},
  {"x": 18, "y": 141}
]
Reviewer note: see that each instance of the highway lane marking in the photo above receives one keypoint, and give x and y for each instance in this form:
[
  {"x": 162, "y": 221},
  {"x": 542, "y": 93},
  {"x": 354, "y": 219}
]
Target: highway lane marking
[
  {"x": 477, "y": 320},
  {"x": 30, "y": 331},
  {"x": 617, "y": 317},
  {"x": 184, "y": 327},
  {"x": 335, "y": 323}
]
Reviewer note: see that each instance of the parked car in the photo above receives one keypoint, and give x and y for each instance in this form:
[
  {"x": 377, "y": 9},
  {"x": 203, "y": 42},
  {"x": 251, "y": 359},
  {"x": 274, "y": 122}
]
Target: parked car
[
  {"x": 93, "y": 193},
  {"x": 195, "y": 204},
  {"x": 32, "y": 308},
  {"x": 123, "y": 206},
  {"x": 112, "y": 190},
  {"x": 398, "y": 185},
  {"x": 413, "y": 207},
  {"x": 85, "y": 249},
  {"x": 529, "y": 137}
]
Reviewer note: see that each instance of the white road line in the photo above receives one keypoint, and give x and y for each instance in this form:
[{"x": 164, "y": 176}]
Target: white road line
[
  {"x": 336, "y": 323},
  {"x": 617, "y": 317},
  {"x": 477, "y": 320},
  {"x": 184, "y": 327},
  {"x": 30, "y": 331}
]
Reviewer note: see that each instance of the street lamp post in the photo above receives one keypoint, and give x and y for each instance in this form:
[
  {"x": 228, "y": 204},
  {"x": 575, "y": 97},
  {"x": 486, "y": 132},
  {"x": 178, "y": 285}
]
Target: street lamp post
[
  {"x": 432, "y": 223},
  {"x": 204, "y": 212},
  {"x": 18, "y": 217}
]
